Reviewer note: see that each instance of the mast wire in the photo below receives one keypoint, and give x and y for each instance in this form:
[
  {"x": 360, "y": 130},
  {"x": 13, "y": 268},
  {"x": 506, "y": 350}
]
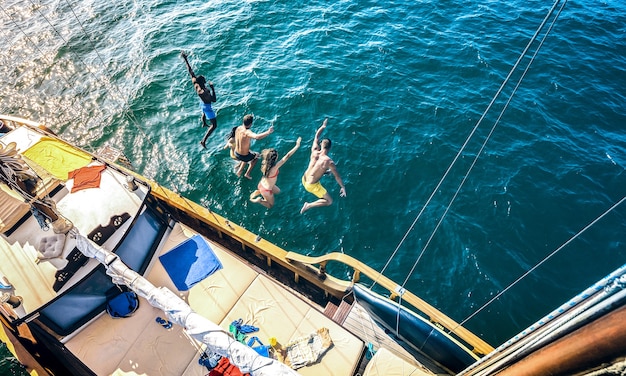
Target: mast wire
[
  {"x": 495, "y": 124},
  {"x": 35, "y": 46},
  {"x": 542, "y": 261},
  {"x": 467, "y": 140}
]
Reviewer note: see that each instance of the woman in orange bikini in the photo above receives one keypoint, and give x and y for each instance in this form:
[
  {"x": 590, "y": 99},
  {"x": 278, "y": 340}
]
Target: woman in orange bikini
[{"x": 267, "y": 188}]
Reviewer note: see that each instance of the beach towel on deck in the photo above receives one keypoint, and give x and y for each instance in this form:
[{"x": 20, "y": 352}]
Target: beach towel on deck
[
  {"x": 190, "y": 262},
  {"x": 57, "y": 157},
  {"x": 86, "y": 177}
]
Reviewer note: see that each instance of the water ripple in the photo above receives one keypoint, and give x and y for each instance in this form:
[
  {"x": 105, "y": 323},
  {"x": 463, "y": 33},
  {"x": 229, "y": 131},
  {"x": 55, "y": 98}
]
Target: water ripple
[{"x": 403, "y": 85}]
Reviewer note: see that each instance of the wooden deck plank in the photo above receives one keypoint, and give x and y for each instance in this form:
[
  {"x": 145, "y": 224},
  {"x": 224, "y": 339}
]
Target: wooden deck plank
[{"x": 342, "y": 312}]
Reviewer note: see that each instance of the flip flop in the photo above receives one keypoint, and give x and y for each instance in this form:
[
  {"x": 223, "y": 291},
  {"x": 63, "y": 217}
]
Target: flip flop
[
  {"x": 248, "y": 329},
  {"x": 164, "y": 323}
]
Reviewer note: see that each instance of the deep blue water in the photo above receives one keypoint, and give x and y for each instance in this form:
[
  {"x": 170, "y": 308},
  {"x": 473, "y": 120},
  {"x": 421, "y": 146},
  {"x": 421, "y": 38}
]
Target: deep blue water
[{"x": 403, "y": 83}]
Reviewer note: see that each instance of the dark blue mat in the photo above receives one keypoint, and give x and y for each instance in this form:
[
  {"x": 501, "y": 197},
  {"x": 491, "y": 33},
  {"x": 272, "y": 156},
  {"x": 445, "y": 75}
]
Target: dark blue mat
[{"x": 190, "y": 262}]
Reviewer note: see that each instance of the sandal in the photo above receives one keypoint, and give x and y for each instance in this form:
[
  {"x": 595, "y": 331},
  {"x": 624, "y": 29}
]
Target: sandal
[{"x": 164, "y": 323}]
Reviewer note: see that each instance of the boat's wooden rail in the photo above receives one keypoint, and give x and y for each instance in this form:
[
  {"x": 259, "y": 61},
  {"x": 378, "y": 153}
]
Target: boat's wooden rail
[
  {"x": 437, "y": 317},
  {"x": 249, "y": 242}
]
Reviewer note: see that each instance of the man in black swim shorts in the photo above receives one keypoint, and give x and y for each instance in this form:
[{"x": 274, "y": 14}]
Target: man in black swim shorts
[{"x": 242, "y": 152}]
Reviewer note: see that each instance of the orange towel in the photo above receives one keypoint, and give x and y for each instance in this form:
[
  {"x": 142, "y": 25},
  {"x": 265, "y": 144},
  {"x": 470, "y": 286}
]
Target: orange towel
[{"x": 86, "y": 177}]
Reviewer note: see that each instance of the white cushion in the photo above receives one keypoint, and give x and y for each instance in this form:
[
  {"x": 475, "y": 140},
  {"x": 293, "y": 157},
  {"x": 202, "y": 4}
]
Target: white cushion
[{"x": 51, "y": 246}]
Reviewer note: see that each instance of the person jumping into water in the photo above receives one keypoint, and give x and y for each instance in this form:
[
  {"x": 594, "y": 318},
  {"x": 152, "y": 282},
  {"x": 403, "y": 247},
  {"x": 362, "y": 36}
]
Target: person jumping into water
[
  {"x": 318, "y": 165},
  {"x": 243, "y": 136},
  {"x": 267, "y": 188},
  {"x": 207, "y": 97}
]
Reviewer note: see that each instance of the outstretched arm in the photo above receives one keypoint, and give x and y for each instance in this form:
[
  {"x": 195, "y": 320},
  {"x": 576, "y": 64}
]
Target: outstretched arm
[
  {"x": 184, "y": 55},
  {"x": 333, "y": 170},
  {"x": 290, "y": 153},
  {"x": 315, "y": 145},
  {"x": 260, "y": 136}
]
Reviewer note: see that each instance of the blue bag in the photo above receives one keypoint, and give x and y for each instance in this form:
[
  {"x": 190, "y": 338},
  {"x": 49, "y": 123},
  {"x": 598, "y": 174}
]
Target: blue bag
[{"x": 123, "y": 305}]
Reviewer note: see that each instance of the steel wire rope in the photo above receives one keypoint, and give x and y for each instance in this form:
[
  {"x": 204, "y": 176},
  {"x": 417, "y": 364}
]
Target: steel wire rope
[
  {"x": 126, "y": 111},
  {"x": 535, "y": 338},
  {"x": 469, "y": 137},
  {"x": 93, "y": 46},
  {"x": 35, "y": 46},
  {"x": 120, "y": 94},
  {"x": 91, "y": 72},
  {"x": 66, "y": 43},
  {"x": 476, "y": 159},
  {"x": 546, "y": 258},
  {"x": 504, "y": 83},
  {"x": 482, "y": 148}
]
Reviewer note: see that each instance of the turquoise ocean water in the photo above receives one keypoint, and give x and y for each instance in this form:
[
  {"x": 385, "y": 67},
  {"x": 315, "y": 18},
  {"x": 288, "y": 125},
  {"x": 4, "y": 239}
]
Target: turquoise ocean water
[{"x": 403, "y": 83}]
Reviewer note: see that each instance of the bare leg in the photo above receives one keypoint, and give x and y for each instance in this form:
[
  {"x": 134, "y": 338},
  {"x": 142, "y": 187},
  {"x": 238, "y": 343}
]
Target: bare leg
[
  {"x": 267, "y": 201},
  {"x": 262, "y": 201},
  {"x": 254, "y": 194},
  {"x": 239, "y": 168},
  {"x": 209, "y": 131},
  {"x": 324, "y": 201},
  {"x": 250, "y": 167}
]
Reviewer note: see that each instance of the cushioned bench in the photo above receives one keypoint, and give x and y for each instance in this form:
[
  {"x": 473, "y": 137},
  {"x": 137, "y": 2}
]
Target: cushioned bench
[
  {"x": 385, "y": 363},
  {"x": 12, "y": 208},
  {"x": 278, "y": 313},
  {"x": 236, "y": 291}
]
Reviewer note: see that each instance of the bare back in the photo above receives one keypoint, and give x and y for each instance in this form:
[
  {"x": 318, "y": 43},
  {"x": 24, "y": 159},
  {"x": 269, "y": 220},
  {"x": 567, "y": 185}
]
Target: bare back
[{"x": 242, "y": 140}]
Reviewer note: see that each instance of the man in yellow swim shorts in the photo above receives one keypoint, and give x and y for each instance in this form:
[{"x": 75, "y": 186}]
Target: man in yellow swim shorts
[
  {"x": 320, "y": 163},
  {"x": 316, "y": 188}
]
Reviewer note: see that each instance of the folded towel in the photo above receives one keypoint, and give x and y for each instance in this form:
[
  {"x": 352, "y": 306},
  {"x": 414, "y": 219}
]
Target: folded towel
[{"x": 190, "y": 262}]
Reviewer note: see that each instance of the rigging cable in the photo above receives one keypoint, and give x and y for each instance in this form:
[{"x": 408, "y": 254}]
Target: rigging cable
[
  {"x": 469, "y": 137},
  {"x": 125, "y": 110},
  {"x": 66, "y": 43},
  {"x": 43, "y": 55},
  {"x": 543, "y": 261},
  {"x": 91, "y": 72},
  {"x": 495, "y": 124}
]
